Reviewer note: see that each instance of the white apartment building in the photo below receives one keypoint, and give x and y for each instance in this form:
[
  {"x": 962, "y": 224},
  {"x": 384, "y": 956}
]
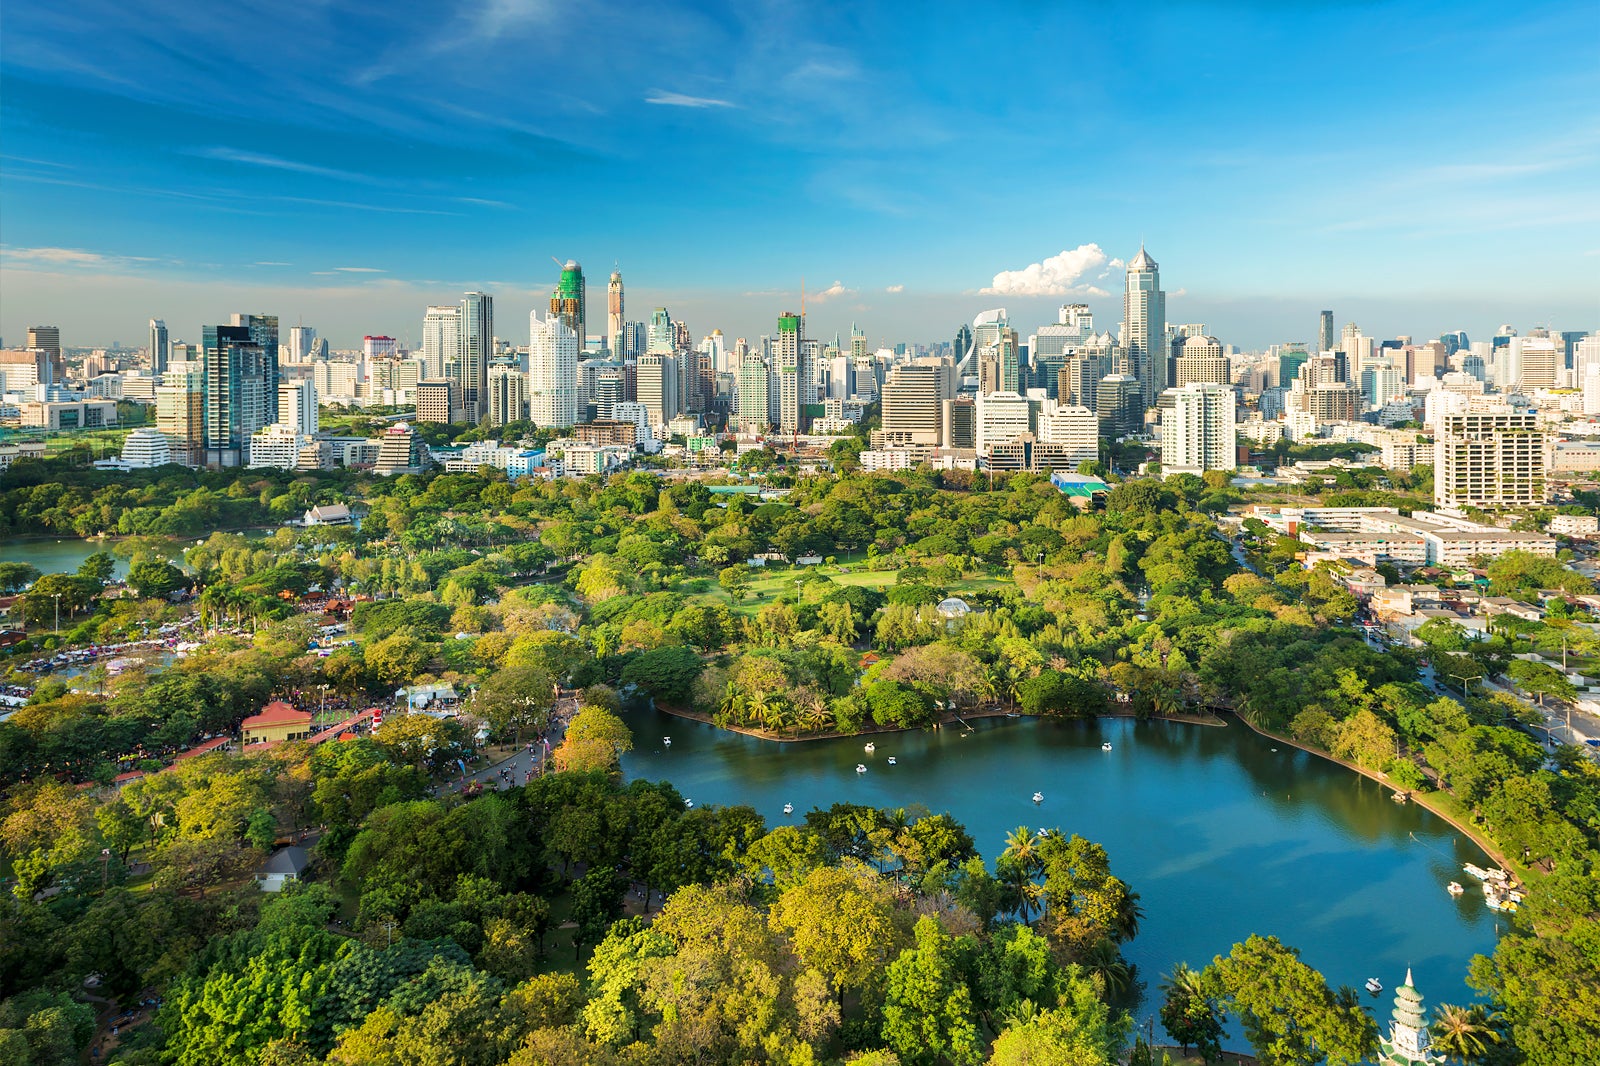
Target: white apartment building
[
  {"x": 1001, "y": 417},
  {"x": 297, "y": 405},
  {"x": 277, "y": 447},
  {"x": 508, "y": 395},
  {"x": 1074, "y": 427},
  {"x": 144, "y": 449},
  {"x": 552, "y": 371},
  {"x": 1197, "y": 430},
  {"x": 1490, "y": 460}
]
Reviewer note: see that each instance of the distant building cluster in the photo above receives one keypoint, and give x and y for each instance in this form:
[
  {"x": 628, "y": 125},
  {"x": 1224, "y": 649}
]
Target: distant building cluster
[{"x": 1506, "y": 423}]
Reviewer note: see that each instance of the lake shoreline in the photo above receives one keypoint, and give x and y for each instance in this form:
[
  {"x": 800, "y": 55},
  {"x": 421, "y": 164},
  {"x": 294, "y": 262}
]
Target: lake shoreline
[
  {"x": 947, "y": 719},
  {"x": 1477, "y": 836}
]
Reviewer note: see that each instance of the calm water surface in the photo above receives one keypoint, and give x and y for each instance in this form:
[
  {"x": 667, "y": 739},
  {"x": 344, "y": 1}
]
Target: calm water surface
[
  {"x": 53, "y": 556},
  {"x": 1219, "y": 834}
]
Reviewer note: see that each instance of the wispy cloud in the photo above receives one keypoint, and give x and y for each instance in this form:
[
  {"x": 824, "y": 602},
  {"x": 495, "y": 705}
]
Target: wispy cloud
[
  {"x": 360, "y": 270},
  {"x": 269, "y": 263},
  {"x": 71, "y": 257},
  {"x": 256, "y": 159},
  {"x": 671, "y": 99},
  {"x": 895, "y": 288},
  {"x": 1059, "y": 275}
]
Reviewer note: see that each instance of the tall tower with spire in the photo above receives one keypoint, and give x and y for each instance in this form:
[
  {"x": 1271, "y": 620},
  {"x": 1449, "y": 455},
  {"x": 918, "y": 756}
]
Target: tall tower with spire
[
  {"x": 614, "y": 315},
  {"x": 1144, "y": 321},
  {"x": 1408, "y": 1042}
]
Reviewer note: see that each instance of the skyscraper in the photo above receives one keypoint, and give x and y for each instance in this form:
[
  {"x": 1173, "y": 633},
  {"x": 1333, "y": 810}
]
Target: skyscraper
[
  {"x": 788, "y": 365},
  {"x": 302, "y": 344},
  {"x": 552, "y": 371},
  {"x": 754, "y": 415},
  {"x": 963, "y": 342},
  {"x": 160, "y": 347},
  {"x": 477, "y": 349},
  {"x": 663, "y": 338},
  {"x": 614, "y": 315},
  {"x": 657, "y": 387},
  {"x": 181, "y": 414},
  {"x": 441, "y": 341},
  {"x": 1489, "y": 460},
  {"x": 264, "y": 334},
  {"x": 1325, "y": 333},
  {"x": 1144, "y": 319},
  {"x": 47, "y": 339},
  {"x": 241, "y": 392},
  {"x": 569, "y": 298}
]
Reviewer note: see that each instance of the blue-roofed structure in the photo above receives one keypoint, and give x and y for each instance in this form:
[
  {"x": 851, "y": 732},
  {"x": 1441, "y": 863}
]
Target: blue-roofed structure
[{"x": 1083, "y": 489}]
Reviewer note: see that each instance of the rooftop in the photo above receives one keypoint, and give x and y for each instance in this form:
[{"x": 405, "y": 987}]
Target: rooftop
[{"x": 277, "y": 713}]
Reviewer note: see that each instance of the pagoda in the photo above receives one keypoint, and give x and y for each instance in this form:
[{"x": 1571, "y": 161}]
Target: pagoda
[{"x": 1408, "y": 1042}]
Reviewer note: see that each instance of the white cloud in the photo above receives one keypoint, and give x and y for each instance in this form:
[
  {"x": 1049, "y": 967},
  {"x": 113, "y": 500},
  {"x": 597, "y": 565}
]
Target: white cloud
[
  {"x": 360, "y": 270},
  {"x": 671, "y": 99},
  {"x": 1117, "y": 264},
  {"x": 895, "y": 288},
  {"x": 1059, "y": 275},
  {"x": 271, "y": 263},
  {"x": 835, "y": 290}
]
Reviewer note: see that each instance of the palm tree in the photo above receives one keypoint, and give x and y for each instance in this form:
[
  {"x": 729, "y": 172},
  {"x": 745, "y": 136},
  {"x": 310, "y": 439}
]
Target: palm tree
[
  {"x": 1018, "y": 887},
  {"x": 731, "y": 703},
  {"x": 1022, "y": 848},
  {"x": 1129, "y": 913},
  {"x": 816, "y": 717},
  {"x": 1463, "y": 1033},
  {"x": 1105, "y": 961}
]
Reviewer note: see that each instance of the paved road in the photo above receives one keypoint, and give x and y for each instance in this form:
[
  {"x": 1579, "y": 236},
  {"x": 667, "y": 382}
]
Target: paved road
[{"x": 516, "y": 769}]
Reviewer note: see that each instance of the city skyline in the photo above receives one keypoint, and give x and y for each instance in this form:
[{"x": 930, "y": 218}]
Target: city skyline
[{"x": 349, "y": 171}]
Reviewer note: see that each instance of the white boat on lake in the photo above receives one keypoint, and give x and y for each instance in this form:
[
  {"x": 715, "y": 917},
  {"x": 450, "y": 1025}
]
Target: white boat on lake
[
  {"x": 1038, "y": 797},
  {"x": 861, "y": 768}
]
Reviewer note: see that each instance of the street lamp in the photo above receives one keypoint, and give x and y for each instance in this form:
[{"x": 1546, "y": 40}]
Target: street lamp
[
  {"x": 1464, "y": 681},
  {"x": 58, "y": 613}
]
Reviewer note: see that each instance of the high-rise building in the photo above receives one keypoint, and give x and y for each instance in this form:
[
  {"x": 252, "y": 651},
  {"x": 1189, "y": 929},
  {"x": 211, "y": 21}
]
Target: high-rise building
[
  {"x": 1072, "y": 427},
  {"x": 1535, "y": 361},
  {"x": 614, "y": 322},
  {"x": 1078, "y": 381},
  {"x": 657, "y": 387},
  {"x": 1489, "y": 460},
  {"x": 568, "y": 301},
  {"x": 160, "y": 347},
  {"x": 552, "y": 370},
  {"x": 1325, "y": 332},
  {"x": 1002, "y": 417},
  {"x": 438, "y": 400},
  {"x": 1119, "y": 403},
  {"x": 912, "y": 402},
  {"x": 663, "y": 337},
  {"x": 241, "y": 390},
  {"x": 302, "y": 344},
  {"x": 508, "y": 395},
  {"x": 1144, "y": 323},
  {"x": 962, "y": 343},
  {"x": 754, "y": 390},
  {"x": 379, "y": 347},
  {"x": 790, "y": 368},
  {"x": 264, "y": 334},
  {"x": 181, "y": 414},
  {"x": 47, "y": 339},
  {"x": 1197, "y": 429},
  {"x": 477, "y": 349},
  {"x": 1201, "y": 360},
  {"x": 441, "y": 341},
  {"x": 297, "y": 405},
  {"x": 959, "y": 428},
  {"x": 399, "y": 452}
]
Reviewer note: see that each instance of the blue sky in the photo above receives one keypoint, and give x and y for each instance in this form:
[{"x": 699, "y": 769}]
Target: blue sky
[{"x": 1416, "y": 167}]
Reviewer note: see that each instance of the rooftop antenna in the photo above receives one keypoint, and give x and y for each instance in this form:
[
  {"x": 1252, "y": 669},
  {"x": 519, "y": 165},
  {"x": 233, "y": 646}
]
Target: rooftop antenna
[{"x": 558, "y": 262}]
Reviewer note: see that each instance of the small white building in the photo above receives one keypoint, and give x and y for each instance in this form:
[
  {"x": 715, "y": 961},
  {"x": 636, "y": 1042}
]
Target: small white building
[{"x": 285, "y": 865}]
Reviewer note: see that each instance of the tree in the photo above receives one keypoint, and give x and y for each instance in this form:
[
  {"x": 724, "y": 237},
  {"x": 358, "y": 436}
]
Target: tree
[
  {"x": 1463, "y": 1033},
  {"x": 17, "y": 576},
  {"x": 155, "y": 578},
  {"x": 1080, "y": 1031},
  {"x": 1289, "y": 1014},
  {"x": 1189, "y": 1015},
  {"x": 72, "y": 594},
  {"x": 927, "y": 1012},
  {"x": 596, "y": 902},
  {"x": 1542, "y": 680},
  {"x": 398, "y": 657},
  {"x": 842, "y": 922},
  {"x": 97, "y": 568},
  {"x": 515, "y": 698},
  {"x": 596, "y": 740},
  {"x": 666, "y": 673}
]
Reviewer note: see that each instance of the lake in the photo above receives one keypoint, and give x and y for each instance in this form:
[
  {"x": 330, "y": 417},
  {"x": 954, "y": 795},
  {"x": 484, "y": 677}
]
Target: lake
[
  {"x": 1219, "y": 834},
  {"x": 53, "y": 556}
]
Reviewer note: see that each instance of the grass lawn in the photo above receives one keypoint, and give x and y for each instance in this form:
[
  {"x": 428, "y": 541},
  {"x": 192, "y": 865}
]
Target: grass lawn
[{"x": 767, "y": 584}]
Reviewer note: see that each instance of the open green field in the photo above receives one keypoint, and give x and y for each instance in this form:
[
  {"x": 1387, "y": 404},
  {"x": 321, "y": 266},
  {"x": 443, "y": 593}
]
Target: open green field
[{"x": 766, "y": 584}]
